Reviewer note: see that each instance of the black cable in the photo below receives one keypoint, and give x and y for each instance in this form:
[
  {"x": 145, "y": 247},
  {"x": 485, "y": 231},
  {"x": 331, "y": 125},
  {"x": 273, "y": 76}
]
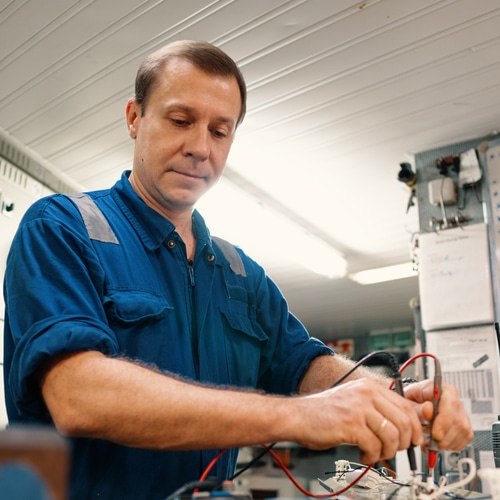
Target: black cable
[
  {"x": 398, "y": 386},
  {"x": 362, "y": 361},
  {"x": 394, "y": 366},
  {"x": 393, "y": 362},
  {"x": 254, "y": 460},
  {"x": 396, "y": 491},
  {"x": 208, "y": 484}
]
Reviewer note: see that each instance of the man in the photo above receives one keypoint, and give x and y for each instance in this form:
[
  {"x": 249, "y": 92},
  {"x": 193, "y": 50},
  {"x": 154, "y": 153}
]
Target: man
[{"x": 133, "y": 331}]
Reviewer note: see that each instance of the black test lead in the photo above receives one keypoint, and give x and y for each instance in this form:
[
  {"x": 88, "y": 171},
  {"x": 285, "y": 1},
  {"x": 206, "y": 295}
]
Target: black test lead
[
  {"x": 398, "y": 387},
  {"x": 436, "y": 398}
]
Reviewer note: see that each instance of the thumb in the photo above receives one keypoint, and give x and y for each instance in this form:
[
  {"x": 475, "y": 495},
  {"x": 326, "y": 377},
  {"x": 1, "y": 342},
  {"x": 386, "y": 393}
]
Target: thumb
[{"x": 427, "y": 411}]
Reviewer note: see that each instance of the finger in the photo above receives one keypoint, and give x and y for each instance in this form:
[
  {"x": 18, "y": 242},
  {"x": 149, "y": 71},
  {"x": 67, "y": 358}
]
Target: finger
[
  {"x": 401, "y": 413},
  {"x": 451, "y": 425},
  {"x": 369, "y": 436},
  {"x": 382, "y": 427},
  {"x": 426, "y": 410},
  {"x": 451, "y": 416},
  {"x": 456, "y": 434},
  {"x": 388, "y": 436},
  {"x": 374, "y": 439}
]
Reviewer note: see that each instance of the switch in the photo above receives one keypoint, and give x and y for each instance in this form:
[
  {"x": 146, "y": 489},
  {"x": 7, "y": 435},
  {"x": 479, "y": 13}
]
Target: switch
[
  {"x": 442, "y": 190},
  {"x": 7, "y": 207}
]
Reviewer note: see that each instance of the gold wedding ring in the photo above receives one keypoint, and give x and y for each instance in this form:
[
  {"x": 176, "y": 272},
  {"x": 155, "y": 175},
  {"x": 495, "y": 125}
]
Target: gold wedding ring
[{"x": 382, "y": 427}]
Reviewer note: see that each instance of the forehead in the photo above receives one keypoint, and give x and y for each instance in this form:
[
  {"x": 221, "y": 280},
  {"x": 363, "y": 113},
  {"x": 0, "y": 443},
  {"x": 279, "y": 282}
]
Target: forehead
[{"x": 181, "y": 81}]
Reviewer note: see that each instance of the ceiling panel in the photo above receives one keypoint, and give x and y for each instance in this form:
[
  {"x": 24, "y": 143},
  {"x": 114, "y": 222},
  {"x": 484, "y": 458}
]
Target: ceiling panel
[{"x": 339, "y": 94}]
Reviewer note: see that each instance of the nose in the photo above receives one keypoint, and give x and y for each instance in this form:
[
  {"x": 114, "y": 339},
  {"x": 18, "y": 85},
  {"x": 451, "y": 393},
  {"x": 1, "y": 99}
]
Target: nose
[{"x": 197, "y": 144}]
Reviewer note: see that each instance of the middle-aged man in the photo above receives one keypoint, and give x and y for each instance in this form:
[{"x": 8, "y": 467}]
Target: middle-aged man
[{"x": 151, "y": 344}]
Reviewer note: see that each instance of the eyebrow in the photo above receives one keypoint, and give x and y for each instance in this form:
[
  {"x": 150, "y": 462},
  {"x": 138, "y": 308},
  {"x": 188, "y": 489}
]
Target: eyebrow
[{"x": 191, "y": 110}]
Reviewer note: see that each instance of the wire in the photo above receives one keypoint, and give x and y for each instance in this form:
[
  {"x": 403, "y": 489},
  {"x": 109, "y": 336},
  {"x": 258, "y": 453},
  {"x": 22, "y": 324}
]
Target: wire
[
  {"x": 308, "y": 493},
  {"x": 380, "y": 471},
  {"x": 268, "y": 449},
  {"x": 191, "y": 486},
  {"x": 211, "y": 465},
  {"x": 434, "y": 495},
  {"x": 362, "y": 361},
  {"x": 396, "y": 373},
  {"x": 441, "y": 202},
  {"x": 396, "y": 491},
  {"x": 432, "y": 491},
  {"x": 253, "y": 461},
  {"x": 408, "y": 362},
  {"x": 436, "y": 398}
]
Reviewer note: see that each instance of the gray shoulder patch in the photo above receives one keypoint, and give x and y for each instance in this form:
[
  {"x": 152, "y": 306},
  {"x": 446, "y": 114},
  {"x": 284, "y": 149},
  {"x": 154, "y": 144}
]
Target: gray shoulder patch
[
  {"x": 232, "y": 255},
  {"x": 97, "y": 225}
]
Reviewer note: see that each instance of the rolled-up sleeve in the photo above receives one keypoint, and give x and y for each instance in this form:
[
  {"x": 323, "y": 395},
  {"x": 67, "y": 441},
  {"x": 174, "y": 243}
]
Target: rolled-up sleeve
[{"x": 53, "y": 296}]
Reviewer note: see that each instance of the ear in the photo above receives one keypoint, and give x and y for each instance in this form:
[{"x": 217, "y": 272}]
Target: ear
[{"x": 133, "y": 116}]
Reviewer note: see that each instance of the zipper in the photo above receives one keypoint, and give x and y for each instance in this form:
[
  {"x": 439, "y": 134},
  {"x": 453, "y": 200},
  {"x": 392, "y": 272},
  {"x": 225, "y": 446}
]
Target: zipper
[
  {"x": 191, "y": 275},
  {"x": 194, "y": 330}
]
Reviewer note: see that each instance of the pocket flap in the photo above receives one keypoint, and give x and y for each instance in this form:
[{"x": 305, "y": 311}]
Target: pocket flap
[
  {"x": 136, "y": 306},
  {"x": 244, "y": 324}
]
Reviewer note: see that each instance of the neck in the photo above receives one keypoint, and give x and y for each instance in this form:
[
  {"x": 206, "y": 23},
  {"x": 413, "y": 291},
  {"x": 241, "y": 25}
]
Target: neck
[
  {"x": 180, "y": 218},
  {"x": 184, "y": 228}
]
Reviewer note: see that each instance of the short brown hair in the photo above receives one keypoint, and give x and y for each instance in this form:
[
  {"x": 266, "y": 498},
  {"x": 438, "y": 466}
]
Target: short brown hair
[{"x": 203, "y": 55}]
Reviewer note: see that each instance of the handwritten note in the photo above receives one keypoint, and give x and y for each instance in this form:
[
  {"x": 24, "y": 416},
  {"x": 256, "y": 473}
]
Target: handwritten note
[{"x": 455, "y": 278}]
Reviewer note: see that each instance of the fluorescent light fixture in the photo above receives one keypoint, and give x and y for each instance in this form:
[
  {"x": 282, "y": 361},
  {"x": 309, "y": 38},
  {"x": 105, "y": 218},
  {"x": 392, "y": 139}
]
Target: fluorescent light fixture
[
  {"x": 381, "y": 274},
  {"x": 306, "y": 249},
  {"x": 266, "y": 231}
]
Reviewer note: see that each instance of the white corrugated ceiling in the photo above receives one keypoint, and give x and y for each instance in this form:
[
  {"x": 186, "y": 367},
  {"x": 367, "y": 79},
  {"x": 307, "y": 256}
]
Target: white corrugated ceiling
[{"x": 340, "y": 92}]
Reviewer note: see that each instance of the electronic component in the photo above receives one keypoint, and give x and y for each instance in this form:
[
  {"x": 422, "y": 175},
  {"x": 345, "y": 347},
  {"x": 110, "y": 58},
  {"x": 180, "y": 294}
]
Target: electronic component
[
  {"x": 442, "y": 191},
  {"x": 470, "y": 173},
  {"x": 345, "y": 475},
  {"x": 407, "y": 175},
  {"x": 370, "y": 480},
  {"x": 442, "y": 164},
  {"x": 495, "y": 438},
  {"x": 362, "y": 481}
]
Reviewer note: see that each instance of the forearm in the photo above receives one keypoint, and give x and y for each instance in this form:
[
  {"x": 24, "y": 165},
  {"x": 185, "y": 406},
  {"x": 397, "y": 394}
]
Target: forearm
[
  {"x": 90, "y": 395},
  {"x": 324, "y": 371}
]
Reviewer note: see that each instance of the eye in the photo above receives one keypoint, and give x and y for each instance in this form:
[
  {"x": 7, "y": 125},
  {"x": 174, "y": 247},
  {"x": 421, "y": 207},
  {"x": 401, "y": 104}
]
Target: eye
[
  {"x": 179, "y": 122},
  {"x": 221, "y": 134}
]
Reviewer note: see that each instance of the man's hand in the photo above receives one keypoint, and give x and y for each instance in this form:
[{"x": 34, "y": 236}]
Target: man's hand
[
  {"x": 356, "y": 411},
  {"x": 451, "y": 427},
  {"x": 361, "y": 412},
  {"x": 379, "y": 421}
]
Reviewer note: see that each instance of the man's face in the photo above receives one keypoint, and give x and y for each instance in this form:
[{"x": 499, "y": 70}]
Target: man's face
[{"x": 183, "y": 139}]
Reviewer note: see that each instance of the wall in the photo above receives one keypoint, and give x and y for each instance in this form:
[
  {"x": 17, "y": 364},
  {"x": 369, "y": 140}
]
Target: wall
[
  {"x": 425, "y": 165},
  {"x": 458, "y": 286}
]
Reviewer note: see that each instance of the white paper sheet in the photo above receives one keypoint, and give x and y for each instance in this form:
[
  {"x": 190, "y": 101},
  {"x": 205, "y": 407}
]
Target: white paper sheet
[
  {"x": 469, "y": 360},
  {"x": 455, "y": 277}
]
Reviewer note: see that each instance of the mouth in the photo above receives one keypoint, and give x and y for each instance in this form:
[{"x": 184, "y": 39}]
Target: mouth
[
  {"x": 189, "y": 176},
  {"x": 192, "y": 176}
]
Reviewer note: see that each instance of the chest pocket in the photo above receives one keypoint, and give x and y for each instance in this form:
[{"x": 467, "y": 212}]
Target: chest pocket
[
  {"x": 244, "y": 343},
  {"x": 244, "y": 338},
  {"x": 135, "y": 308},
  {"x": 137, "y": 313},
  {"x": 137, "y": 316}
]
